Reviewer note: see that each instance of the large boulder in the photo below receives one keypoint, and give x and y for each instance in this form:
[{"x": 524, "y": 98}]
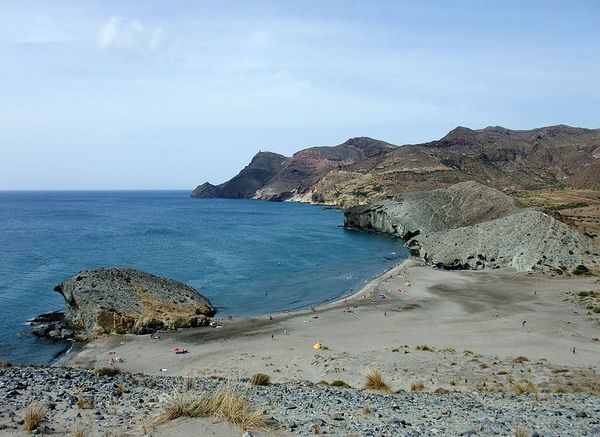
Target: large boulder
[{"x": 122, "y": 301}]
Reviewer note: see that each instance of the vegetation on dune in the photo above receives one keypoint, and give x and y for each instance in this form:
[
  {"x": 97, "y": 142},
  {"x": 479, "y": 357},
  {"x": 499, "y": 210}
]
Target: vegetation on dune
[
  {"x": 34, "y": 415},
  {"x": 226, "y": 404},
  {"x": 374, "y": 381},
  {"x": 260, "y": 379}
]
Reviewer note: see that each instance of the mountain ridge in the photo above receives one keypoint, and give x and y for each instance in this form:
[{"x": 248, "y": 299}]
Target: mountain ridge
[{"x": 362, "y": 169}]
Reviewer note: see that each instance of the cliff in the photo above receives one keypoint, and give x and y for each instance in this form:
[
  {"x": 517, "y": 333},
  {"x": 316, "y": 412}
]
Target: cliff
[
  {"x": 263, "y": 167},
  {"x": 469, "y": 225},
  {"x": 409, "y": 214},
  {"x": 526, "y": 241}
]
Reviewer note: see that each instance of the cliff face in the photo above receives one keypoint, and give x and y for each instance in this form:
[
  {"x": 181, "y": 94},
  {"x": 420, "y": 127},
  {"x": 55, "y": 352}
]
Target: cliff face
[
  {"x": 263, "y": 167},
  {"x": 408, "y": 214},
  {"x": 526, "y": 241},
  {"x": 469, "y": 225},
  {"x": 128, "y": 301}
]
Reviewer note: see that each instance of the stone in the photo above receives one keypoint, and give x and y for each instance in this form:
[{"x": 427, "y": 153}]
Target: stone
[{"x": 128, "y": 301}]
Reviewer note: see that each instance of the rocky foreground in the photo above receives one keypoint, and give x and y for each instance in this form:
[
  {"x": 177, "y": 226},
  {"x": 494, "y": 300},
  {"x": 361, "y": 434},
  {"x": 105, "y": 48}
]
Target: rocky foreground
[{"x": 124, "y": 403}]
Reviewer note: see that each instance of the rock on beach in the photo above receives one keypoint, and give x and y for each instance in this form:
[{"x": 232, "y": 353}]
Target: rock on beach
[{"x": 128, "y": 301}]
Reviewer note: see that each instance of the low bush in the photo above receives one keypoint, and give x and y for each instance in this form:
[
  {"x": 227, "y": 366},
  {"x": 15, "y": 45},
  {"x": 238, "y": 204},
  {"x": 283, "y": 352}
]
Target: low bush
[{"x": 108, "y": 371}]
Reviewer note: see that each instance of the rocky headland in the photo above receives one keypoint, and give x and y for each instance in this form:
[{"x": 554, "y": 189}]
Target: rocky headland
[
  {"x": 553, "y": 169},
  {"x": 122, "y": 301},
  {"x": 471, "y": 226}
]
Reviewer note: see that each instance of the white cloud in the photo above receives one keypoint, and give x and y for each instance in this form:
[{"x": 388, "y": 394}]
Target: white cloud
[{"x": 129, "y": 36}]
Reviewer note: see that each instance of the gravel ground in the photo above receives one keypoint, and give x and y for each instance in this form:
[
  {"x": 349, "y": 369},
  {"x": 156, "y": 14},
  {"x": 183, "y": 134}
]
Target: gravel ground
[{"x": 121, "y": 405}]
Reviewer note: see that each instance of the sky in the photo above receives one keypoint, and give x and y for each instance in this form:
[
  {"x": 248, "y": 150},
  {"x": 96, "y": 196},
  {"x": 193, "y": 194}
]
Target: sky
[{"x": 167, "y": 95}]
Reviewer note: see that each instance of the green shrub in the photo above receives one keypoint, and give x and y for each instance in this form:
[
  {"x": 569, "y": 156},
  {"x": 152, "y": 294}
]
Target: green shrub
[
  {"x": 580, "y": 270},
  {"x": 108, "y": 371},
  {"x": 340, "y": 383}
]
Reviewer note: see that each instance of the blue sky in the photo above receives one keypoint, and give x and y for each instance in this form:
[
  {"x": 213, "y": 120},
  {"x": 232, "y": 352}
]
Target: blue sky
[{"x": 155, "y": 94}]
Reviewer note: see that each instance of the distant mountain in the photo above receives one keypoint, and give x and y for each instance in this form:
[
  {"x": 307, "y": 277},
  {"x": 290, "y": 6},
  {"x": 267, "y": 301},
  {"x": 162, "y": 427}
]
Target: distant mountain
[
  {"x": 275, "y": 177},
  {"x": 363, "y": 170},
  {"x": 263, "y": 167}
]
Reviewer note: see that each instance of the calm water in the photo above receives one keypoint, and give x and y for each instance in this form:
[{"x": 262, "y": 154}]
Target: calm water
[{"x": 249, "y": 257}]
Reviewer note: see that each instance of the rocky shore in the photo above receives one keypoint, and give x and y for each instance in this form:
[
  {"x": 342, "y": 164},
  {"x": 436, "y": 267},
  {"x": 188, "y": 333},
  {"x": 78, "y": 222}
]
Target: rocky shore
[
  {"x": 471, "y": 226},
  {"x": 123, "y": 403},
  {"x": 121, "y": 300}
]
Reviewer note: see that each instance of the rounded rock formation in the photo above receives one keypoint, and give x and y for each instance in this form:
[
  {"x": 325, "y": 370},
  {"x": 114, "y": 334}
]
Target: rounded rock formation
[{"x": 128, "y": 301}]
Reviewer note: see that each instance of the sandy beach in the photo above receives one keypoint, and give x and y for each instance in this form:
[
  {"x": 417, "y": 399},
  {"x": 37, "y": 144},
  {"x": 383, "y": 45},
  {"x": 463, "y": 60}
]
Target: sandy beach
[
  {"x": 452, "y": 329},
  {"x": 453, "y": 347}
]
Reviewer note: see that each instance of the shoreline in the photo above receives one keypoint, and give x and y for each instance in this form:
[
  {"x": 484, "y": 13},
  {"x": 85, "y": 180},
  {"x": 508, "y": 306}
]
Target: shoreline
[
  {"x": 442, "y": 340},
  {"x": 352, "y": 297},
  {"x": 479, "y": 311}
]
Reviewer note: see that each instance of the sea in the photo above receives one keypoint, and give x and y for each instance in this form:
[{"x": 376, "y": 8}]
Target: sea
[{"x": 249, "y": 257}]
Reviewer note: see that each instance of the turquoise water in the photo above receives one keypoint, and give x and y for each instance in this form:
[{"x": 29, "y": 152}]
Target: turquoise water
[{"x": 249, "y": 257}]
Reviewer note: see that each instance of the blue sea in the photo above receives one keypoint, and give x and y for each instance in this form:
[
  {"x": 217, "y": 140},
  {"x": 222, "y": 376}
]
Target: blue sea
[{"x": 248, "y": 257}]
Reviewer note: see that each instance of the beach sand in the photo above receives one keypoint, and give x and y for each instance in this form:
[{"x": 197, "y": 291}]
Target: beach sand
[{"x": 450, "y": 312}]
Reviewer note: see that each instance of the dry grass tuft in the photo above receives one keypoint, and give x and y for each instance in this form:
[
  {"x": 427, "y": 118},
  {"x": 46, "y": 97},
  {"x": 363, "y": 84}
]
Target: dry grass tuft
[
  {"x": 80, "y": 430},
  {"x": 374, "y": 381},
  {"x": 525, "y": 387},
  {"x": 260, "y": 379},
  {"x": 441, "y": 390},
  {"x": 83, "y": 404},
  {"x": 521, "y": 431},
  {"x": 340, "y": 383},
  {"x": 189, "y": 383},
  {"x": 225, "y": 404},
  {"x": 424, "y": 347},
  {"x": 34, "y": 414},
  {"x": 417, "y": 386}
]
